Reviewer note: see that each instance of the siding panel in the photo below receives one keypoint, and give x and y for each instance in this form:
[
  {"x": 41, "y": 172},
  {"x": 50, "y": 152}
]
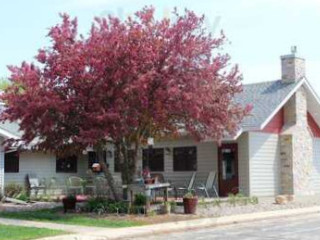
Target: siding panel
[
  {"x": 243, "y": 166},
  {"x": 316, "y": 166},
  {"x": 264, "y": 164},
  {"x": 44, "y": 165},
  {"x": 207, "y": 155}
]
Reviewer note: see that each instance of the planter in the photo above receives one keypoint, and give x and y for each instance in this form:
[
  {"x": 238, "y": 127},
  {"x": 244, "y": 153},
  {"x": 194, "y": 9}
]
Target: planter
[
  {"x": 190, "y": 205},
  {"x": 69, "y": 204}
]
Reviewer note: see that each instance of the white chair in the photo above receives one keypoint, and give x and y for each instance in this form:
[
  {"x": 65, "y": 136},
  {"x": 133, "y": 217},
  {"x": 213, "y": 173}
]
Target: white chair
[
  {"x": 187, "y": 188},
  {"x": 210, "y": 184},
  {"x": 75, "y": 185},
  {"x": 34, "y": 184}
]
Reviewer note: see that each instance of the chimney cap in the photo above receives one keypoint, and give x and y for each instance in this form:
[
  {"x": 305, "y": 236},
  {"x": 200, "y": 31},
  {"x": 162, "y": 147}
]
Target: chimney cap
[
  {"x": 294, "y": 49},
  {"x": 293, "y": 53}
]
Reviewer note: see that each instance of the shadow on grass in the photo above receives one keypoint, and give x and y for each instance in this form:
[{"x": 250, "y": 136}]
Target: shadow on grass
[{"x": 57, "y": 216}]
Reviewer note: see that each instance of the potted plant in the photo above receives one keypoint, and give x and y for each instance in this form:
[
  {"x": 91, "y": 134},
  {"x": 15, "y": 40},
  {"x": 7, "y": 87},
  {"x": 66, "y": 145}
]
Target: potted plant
[
  {"x": 190, "y": 202},
  {"x": 69, "y": 203}
]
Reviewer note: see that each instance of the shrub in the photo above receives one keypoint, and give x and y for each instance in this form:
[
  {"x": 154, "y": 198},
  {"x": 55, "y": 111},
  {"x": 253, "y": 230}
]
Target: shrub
[
  {"x": 140, "y": 199},
  {"x": 254, "y": 200},
  {"x": 94, "y": 204},
  {"x": 103, "y": 205},
  {"x": 12, "y": 190},
  {"x": 190, "y": 194},
  {"x": 173, "y": 206},
  {"x": 232, "y": 199},
  {"x": 22, "y": 197}
]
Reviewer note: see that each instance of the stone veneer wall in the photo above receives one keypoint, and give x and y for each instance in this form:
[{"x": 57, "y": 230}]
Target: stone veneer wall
[
  {"x": 293, "y": 68},
  {"x": 296, "y": 147},
  {"x": 286, "y": 162}
]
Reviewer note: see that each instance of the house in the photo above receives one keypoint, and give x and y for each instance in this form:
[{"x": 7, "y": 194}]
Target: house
[{"x": 276, "y": 151}]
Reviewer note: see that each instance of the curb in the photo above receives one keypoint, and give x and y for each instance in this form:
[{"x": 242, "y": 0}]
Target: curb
[{"x": 183, "y": 225}]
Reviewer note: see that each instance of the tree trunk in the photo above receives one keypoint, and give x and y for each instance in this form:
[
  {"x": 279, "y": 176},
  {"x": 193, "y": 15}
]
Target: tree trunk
[
  {"x": 107, "y": 174},
  {"x": 128, "y": 160}
]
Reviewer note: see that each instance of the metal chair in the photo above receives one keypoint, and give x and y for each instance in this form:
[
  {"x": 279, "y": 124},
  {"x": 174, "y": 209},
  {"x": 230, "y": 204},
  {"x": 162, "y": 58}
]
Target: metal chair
[
  {"x": 210, "y": 184},
  {"x": 187, "y": 188},
  {"x": 75, "y": 185},
  {"x": 34, "y": 184}
]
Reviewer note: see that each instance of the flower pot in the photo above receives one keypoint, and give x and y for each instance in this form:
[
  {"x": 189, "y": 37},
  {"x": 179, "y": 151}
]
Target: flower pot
[
  {"x": 190, "y": 205},
  {"x": 69, "y": 204}
]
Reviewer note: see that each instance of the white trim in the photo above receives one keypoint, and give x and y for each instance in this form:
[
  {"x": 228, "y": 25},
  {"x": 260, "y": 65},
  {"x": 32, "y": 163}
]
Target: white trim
[
  {"x": 312, "y": 91},
  {"x": 302, "y": 81},
  {"x": 234, "y": 137},
  {"x": 7, "y": 134}
]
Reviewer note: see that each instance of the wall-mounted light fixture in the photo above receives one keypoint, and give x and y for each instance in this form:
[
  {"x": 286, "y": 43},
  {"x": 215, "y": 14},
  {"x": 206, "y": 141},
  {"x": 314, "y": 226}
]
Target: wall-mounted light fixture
[{"x": 167, "y": 151}]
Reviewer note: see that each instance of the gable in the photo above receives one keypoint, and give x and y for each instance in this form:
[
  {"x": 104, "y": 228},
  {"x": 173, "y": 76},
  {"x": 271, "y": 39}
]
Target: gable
[
  {"x": 267, "y": 99},
  {"x": 314, "y": 127},
  {"x": 276, "y": 123}
]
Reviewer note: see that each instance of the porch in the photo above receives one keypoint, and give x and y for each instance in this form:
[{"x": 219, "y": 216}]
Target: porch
[{"x": 251, "y": 164}]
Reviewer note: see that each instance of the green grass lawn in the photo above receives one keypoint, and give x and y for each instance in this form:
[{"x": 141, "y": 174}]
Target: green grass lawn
[
  {"x": 56, "y": 216},
  {"x": 25, "y": 233}
]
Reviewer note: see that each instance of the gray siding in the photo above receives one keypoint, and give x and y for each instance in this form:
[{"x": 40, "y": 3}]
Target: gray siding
[
  {"x": 243, "y": 165},
  {"x": 44, "y": 166},
  {"x": 207, "y": 155},
  {"x": 315, "y": 177},
  {"x": 264, "y": 164}
]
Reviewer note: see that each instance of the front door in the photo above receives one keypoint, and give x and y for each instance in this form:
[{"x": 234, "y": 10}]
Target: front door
[{"x": 228, "y": 169}]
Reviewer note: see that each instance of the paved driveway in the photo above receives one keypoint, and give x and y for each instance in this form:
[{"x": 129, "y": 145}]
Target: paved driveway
[{"x": 293, "y": 228}]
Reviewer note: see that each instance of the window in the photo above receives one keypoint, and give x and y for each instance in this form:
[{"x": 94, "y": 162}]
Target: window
[
  {"x": 92, "y": 158},
  {"x": 156, "y": 159},
  {"x": 67, "y": 164},
  {"x": 11, "y": 162},
  {"x": 117, "y": 165},
  {"x": 185, "y": 159}
]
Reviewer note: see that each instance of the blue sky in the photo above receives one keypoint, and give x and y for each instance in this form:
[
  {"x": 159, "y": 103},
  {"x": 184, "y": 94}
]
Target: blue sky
[{"x": 259, "y": 30}]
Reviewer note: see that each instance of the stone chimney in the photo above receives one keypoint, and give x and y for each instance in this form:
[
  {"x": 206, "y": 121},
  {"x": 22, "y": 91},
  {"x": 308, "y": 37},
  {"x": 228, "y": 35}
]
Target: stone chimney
[{"x": 292, "y": 66}]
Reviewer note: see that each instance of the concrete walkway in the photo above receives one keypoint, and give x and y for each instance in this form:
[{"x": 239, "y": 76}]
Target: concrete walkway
[{"x": 94, "y": 233}]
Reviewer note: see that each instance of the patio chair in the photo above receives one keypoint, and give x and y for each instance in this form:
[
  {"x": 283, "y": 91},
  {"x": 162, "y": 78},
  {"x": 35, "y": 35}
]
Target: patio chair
[
  {"x": 187, "y": 188},
  {"x": 54, "y": 188},
  {"x": 75, "y": 185},
  {"x": 34, "y": 184},
  {"x": 209, "y": 185}
]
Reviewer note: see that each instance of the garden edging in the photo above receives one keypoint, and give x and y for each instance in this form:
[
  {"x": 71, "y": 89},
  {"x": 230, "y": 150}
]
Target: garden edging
[{"x": 108, "y": 234}]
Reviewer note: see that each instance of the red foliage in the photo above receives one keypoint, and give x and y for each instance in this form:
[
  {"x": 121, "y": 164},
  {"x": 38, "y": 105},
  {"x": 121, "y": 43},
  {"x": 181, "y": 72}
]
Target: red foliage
[{"x": 126, "y": 79}]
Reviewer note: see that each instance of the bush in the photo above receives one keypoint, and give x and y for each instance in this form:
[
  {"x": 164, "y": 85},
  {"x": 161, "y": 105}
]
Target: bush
[
  {"x": 140, "y": 199},
  {"x": 103, "y": 205},
  {"x": 12, "y": 190},
  {"x": 23, "y": 197}
]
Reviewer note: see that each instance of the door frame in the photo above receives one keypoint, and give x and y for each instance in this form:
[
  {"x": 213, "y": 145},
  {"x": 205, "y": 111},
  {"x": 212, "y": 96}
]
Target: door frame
[{"x": 220, "y": 183}]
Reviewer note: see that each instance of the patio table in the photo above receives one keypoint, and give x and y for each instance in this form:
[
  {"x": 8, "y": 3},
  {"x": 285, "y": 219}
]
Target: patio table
[{"x": 147, "y": 189}]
